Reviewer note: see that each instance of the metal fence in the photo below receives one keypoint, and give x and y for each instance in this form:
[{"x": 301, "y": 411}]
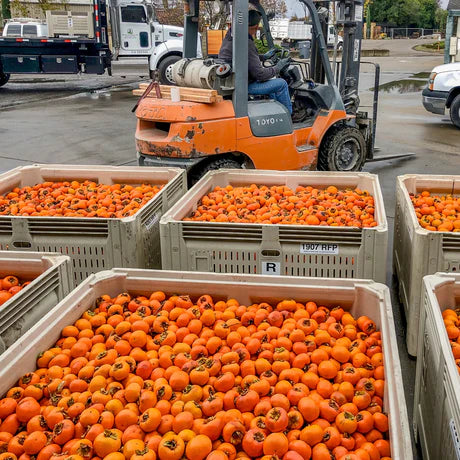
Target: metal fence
[{"x": 410, "y": 32}]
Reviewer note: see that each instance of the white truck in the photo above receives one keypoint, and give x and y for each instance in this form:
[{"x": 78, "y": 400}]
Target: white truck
[
  {"x": 122, "y": 37},
  {"x": 296, "y": 31},
  {"x": 443, "y": 91}
]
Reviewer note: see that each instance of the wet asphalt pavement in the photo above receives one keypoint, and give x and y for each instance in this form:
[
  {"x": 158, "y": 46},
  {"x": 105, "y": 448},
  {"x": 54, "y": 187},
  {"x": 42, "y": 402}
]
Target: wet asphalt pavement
[{"x": 82, "y": 120}]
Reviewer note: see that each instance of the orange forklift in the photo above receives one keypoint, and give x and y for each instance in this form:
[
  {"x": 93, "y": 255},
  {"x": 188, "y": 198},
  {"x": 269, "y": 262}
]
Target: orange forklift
[{"x": 326, "y": 131}]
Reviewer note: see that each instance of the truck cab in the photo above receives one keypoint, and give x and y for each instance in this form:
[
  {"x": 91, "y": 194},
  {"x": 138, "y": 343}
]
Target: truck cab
[
  {"x": 25, "y": 27},
  {"x": 443, "y": 91},
  {"x": 140, "y": 44}
]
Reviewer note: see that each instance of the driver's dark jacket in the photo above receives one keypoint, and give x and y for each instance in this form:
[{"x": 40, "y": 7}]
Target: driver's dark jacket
[{"x": 256, "y": 71}]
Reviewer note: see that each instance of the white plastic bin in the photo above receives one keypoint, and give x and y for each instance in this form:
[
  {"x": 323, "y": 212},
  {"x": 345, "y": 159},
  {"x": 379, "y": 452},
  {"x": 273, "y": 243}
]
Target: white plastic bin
[
  {"x": 437, "y": 383},
  {"x": 418, "y": 252},
  {"x": 51, "y": 276},
  {"x": 357, "y": 296},
  {"x": 272, "y": 249},
  {"x": 94, "y": 244}
]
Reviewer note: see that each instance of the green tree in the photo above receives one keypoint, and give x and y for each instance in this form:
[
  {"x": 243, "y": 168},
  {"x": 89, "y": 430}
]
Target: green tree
[
  {"x": 440, "y": 18},
  {"x": 406, "y": 13},
  {"x": 428, "y": 13}
]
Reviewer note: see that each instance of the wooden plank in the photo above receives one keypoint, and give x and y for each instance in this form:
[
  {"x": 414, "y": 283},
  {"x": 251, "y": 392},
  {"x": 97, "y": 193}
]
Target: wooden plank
[{"x": 184, "y": 97}]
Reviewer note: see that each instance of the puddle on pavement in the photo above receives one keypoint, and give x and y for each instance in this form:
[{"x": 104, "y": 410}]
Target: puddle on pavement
[
  {"x": 106, "y": 94},
  {"x": 421, "y": 75},
  {"x": 37, "y": 80},
  {"x": 402, "y": 86}
]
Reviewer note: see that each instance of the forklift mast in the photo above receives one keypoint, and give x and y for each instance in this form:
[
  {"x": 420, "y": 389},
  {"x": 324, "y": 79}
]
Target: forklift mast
[{"x": 350, "y": 16}]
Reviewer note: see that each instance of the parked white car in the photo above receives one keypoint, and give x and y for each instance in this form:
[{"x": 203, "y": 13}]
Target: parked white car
[{"x": 443, "y": 91}]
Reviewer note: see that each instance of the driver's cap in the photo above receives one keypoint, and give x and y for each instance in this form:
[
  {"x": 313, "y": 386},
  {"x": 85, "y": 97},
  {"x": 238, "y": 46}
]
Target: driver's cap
[{"x": 254, "y": 18}]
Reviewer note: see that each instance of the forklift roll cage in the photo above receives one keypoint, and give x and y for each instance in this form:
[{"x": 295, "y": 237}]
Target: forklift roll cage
[{"x": 350, "y": 16}]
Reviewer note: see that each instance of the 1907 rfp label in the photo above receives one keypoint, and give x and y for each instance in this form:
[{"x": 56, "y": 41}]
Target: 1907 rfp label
[{"x": 319, "y": 248}]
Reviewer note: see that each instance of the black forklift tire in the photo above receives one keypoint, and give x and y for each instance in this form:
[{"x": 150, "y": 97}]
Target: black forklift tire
[
  {"x": 342, "y": 149},
  {"x": 197, "y": 172},
  {"x": 4, "y": 77},
  {"x": 164, "y": 69},
  {"x": 455, "y": 111}
]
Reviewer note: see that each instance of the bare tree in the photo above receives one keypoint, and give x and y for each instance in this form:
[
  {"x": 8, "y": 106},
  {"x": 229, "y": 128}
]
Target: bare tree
[
  {"x": 172, "y": 15},
  {"x": 215, "y": 14},
  {"x": 278, "y": 6}
]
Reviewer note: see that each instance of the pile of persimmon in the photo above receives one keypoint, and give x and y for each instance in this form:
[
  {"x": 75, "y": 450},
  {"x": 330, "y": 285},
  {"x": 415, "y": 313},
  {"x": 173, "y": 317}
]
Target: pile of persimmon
[
  {"x": 169, "y": 378},
  {"x": 451, "y": 320},
  {"x": 280, "y": 204},
  {"x": 438, "y": 213},
  {"x": 9, "y": 286},
  {"x": 77, "y": 199}
]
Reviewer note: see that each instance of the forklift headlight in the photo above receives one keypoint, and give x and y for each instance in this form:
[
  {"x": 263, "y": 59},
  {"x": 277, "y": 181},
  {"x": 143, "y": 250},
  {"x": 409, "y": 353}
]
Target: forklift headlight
[{"x": 431, "y": 81}]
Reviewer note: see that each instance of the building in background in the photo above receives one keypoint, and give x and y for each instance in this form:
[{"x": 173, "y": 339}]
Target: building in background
[
  {"x": 452, "y": 49},
  {"x": 36, "y": 9}
]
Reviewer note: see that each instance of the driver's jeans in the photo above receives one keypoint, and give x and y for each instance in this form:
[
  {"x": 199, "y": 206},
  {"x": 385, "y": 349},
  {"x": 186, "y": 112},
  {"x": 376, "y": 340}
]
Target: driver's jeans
[{"x": 276, "y": 88}]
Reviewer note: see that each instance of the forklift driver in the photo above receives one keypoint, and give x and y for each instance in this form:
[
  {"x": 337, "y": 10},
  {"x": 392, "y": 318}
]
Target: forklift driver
[{"x": 261, "y": 79}]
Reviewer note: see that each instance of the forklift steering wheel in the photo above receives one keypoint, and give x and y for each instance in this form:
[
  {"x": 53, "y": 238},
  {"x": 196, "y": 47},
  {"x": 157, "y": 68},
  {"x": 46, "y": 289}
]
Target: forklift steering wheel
[{"x": 269, "y": 55}]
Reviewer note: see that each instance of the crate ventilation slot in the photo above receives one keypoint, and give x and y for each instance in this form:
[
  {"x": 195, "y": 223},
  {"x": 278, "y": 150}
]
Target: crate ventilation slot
[
  {"x": 234, "y": 261},
  {"x": 5, "y": 226},
  {"x": 451, "y": 242},
  {"x": 295, "y": 235},
  {"x": 151, "y": 217},
  {"x": 78, "y": 227},
  {"x": 330, "y": 266},
  {"x": 174, "y": 188},
  {"x": 219, "y": 232}
]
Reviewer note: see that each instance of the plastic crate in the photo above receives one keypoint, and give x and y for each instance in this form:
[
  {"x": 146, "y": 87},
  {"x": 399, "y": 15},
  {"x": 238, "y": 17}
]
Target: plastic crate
[
  {"x": 419, "y": 252},
  {"x": 358, "y": 296},
  {"x": 94, "y": 244},
  {"x": 52, "y": 281},
  {"x": 437, "y": 383},
  {"x": 292, "y": 250}
]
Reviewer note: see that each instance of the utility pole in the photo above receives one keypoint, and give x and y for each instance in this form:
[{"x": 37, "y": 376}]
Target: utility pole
[{"x": 368, "y": 19}]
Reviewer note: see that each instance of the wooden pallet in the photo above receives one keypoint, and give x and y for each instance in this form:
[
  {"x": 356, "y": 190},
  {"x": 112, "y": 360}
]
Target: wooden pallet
[{"x": 207, "y": 96}]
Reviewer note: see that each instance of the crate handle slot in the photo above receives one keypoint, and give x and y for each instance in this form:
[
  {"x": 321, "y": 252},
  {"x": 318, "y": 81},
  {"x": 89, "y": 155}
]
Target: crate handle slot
[
  {"x": 271, "y": 252},
  {"x": 22, "y": 244}
]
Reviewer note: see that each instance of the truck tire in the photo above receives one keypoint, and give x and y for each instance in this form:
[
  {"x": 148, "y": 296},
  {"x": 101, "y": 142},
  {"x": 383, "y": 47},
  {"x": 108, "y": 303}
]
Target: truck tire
[
  {"x": 202, "y": 168},
  {"x": 342, "y": 149},
  {"x": 165, "y": 69},
  {"x": 4, "y": 77},
  {"x": 455, "y": 111}
]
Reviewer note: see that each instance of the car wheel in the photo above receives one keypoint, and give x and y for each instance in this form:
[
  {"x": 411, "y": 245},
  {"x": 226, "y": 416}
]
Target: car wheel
[
  {"x": 455, "y": 111},
  {"x": 165, "y": 70},
  {"x": 4, "y": 77}
]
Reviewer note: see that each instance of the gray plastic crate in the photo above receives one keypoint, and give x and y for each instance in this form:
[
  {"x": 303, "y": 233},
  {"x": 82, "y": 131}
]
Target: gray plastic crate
[
  {"x": 51, "y": 276},
  {"x": 419, "y": 252},
  {"x": 94, "y": 244},
  {"x": 437, "y": 383},
  {"x": 292, "y": 250},
  {"x": 360, "y": 297}
]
